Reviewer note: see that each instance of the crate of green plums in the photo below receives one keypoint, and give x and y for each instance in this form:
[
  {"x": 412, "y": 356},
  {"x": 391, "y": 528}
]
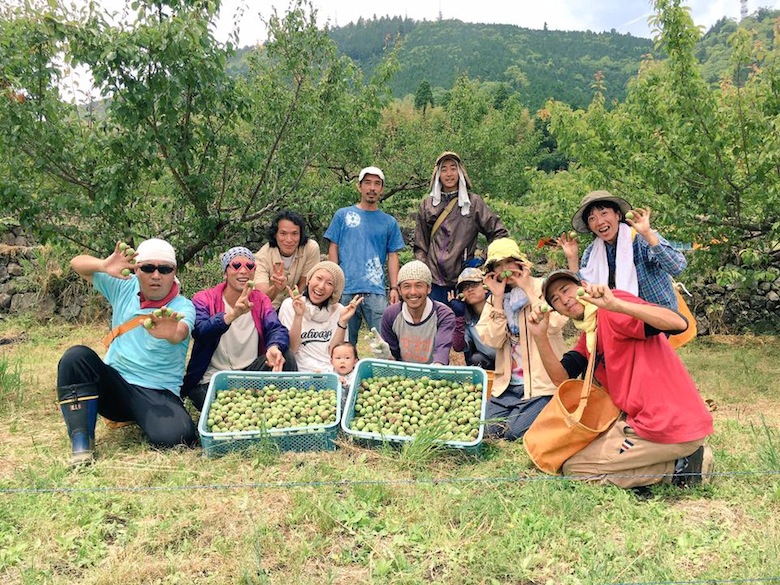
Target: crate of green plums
[
  {"x": 398, "y": 401},
  {"x": 289, "y": 411}
]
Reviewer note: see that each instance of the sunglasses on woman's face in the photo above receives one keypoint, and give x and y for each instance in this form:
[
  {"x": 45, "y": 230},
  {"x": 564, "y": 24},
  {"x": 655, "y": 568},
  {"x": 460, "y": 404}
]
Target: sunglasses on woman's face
[
  {"x": 150, "y": 268},
  {"x": 248, "y": 265}
]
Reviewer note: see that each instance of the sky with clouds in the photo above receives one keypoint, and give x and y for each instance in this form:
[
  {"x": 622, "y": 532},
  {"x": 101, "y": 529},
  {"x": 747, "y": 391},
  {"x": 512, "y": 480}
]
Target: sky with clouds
[{"x": 626, "y": 16}]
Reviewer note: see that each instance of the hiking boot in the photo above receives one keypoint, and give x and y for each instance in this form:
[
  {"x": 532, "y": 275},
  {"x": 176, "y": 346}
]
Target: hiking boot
[{"x": 695, "y": 469}]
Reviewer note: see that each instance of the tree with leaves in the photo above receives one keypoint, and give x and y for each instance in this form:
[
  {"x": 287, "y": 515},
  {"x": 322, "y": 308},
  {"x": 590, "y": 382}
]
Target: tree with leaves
[
  {"x": 423, "y": 97},
  {"x": 179, "y": 149},
  {"x": 706, "y": 160}
]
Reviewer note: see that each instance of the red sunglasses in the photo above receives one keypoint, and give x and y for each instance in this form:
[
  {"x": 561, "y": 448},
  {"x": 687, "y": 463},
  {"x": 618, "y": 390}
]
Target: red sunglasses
[{"x": 248, "y": 265}]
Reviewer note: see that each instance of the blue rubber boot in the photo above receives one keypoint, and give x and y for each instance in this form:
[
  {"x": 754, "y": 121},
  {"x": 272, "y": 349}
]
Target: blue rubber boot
[{"x": 79, "y": 406}]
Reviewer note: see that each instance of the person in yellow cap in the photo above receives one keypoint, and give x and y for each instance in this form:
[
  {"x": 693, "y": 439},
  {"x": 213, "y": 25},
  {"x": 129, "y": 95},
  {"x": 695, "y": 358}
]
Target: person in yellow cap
[
  {"x": 449, "y": 221},
  {"x": 521, "y": 387}
]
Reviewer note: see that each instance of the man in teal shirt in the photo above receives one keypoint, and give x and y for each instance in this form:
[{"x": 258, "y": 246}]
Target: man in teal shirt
[{"x": 140, "y": 377}]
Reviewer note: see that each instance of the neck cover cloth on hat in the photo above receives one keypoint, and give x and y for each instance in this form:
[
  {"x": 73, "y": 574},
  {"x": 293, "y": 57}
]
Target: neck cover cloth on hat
[
  {"x": 235, "y": 253},
  {"x": 155, "y": 249},
  {"x": 588, "y": 324},
  {"x": 463, "y": 193}
]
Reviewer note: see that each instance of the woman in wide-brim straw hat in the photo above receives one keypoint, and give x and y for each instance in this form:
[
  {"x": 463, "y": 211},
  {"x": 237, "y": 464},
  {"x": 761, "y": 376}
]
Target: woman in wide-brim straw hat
[
  {"x": 626, "y": 253},
  {"x": 315, "y": 318},
  {"x": 449, "y": 220},
  {"x": 521, "y": 385}
]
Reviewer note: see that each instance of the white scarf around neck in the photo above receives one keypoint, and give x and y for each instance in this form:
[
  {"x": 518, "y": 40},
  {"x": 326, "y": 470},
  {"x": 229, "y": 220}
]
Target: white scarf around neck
[{"x": 597, "y": 270}]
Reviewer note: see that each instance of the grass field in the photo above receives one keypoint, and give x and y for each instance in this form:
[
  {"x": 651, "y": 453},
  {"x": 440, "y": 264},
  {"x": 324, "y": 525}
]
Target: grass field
[{"x": 361, "y": 515}]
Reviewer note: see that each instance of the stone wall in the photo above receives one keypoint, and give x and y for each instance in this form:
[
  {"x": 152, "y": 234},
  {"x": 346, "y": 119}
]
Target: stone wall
[
  {"x": 720, "y": 309},
  {"x": 28, "y": 287}
]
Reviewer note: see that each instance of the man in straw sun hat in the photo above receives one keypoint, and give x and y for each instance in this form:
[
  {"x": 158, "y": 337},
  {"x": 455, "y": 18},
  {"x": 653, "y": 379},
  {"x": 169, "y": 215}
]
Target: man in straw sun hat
[{"x": 626, "y": 253}]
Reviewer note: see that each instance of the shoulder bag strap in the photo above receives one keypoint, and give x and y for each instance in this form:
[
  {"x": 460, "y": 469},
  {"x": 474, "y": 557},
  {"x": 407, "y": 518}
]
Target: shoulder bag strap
[
  {"x": 122, "y": 329},
  {"x": 586, "y": 385},
  {"x": 443, "y": 215}
]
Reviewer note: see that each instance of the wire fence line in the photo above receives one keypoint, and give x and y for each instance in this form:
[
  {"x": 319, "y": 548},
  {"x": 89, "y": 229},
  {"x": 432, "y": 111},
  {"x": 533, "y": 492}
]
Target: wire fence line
[
  {"x": 348, "y": 483},
  {"x": 704, "y": 581}
]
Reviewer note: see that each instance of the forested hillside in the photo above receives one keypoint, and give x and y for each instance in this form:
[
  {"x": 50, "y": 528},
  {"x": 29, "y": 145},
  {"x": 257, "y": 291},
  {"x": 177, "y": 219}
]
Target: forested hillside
[{"x": 536, "y": 64}]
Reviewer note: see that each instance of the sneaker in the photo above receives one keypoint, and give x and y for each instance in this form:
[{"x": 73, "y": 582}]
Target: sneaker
[{"x": 695, "y": 469}]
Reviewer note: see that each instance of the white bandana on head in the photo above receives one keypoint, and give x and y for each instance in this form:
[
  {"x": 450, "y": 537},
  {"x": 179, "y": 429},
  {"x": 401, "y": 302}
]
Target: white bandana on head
[{"x": 463, "y": 193}]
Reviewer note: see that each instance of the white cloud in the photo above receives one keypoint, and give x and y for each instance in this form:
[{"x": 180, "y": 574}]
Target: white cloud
[{"x": 596, "y": 15}]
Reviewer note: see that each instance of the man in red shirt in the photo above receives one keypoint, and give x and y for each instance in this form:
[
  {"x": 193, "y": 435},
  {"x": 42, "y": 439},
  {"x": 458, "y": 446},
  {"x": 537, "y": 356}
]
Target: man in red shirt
[{"x": 660, "y": 433}]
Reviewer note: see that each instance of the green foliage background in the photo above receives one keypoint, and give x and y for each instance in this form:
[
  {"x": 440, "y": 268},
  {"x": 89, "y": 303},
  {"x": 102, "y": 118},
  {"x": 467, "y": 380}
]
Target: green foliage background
[{"x": 184, "y": 137}]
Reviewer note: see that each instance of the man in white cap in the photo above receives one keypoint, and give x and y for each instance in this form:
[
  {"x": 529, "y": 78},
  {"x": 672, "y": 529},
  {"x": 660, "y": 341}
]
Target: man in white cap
[
  {"x": 363, "y": 239},
  {"x": 418, "y": 329},
  {"x": 140, "y": 377}
]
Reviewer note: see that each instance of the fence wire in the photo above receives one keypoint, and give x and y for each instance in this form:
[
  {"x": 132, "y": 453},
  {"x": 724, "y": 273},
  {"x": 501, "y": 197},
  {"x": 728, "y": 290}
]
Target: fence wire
[{"x": 260, "y": 485}]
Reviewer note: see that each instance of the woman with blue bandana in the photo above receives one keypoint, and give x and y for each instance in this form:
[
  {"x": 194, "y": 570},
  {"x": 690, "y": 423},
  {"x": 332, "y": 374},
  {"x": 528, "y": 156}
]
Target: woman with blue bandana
[{"x": 521, "y": 387}]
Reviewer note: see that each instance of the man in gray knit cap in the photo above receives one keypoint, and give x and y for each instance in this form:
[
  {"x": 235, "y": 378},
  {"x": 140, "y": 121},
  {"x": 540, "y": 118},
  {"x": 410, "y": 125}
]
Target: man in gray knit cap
[{"x": 418, "y": 329}]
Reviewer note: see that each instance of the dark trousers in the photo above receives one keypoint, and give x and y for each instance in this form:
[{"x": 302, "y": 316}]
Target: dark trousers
[
  {"x": 509, "y": 415},
  {"x": 439, "y": 293},
  {"x": 198, "y": 394},
  {"x": 159, "y": 413}
]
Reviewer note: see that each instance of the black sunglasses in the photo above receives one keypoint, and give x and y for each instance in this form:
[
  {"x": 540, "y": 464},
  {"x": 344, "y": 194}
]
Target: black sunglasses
[
  {"x": 238, "y": 265},
  {"x": 161, "y": 268}
]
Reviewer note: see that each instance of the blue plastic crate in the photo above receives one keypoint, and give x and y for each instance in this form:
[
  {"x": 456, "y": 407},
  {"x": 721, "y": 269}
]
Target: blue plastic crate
[
  {"x": 375, "y": 368},
  {"x": 300, "y": 438}
]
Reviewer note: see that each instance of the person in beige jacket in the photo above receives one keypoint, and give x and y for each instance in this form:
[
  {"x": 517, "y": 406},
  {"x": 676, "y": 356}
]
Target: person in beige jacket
[{"x": 521, "y": 387}]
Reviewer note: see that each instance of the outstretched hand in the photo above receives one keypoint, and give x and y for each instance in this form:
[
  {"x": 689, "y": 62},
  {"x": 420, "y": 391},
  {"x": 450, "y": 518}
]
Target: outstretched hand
[
  {"x": 600, "y": 295},
  {"x": 120, "y": 264},
  {"x": 166, "y": 324},
  {"x": 349, "y": 310},
  {"x": 539, "y": 320},
  {"x": 278, "y": 277},
  {"x": 570, "y": 246},
  {"x": 242, "y": 306},
  {"x": 640, "y": 221},
  {"x": 378, "y": 345}
]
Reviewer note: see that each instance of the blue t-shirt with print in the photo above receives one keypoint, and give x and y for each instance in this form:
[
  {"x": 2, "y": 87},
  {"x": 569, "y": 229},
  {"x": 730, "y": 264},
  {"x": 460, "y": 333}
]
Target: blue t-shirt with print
[
  {"x": 364, "y": 238},
  {"x": 140, "y": 358}
]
